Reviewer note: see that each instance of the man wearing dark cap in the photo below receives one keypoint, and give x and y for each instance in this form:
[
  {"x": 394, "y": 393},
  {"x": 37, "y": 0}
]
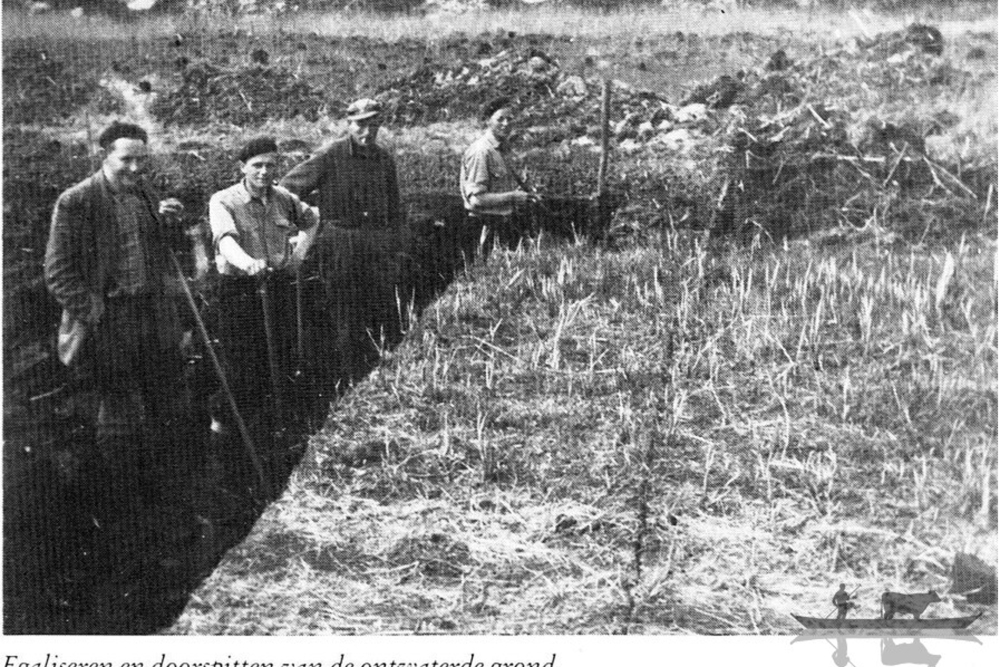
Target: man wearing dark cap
[
  {"x": 355, "y": 185},
  {"x": 108, "y": 265},
  {"x": 261, "y": 233},
  {"x": 492, "y": 191}
]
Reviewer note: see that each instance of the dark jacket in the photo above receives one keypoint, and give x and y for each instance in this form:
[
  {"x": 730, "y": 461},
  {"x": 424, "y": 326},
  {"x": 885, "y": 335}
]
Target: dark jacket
[
  {"x": 354, "y": 189},
  {"x": 78, "y": 257}
]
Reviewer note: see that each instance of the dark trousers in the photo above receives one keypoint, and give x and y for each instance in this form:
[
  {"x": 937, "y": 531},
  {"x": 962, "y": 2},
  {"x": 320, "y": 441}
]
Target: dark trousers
[
  {"x": 484, "y": 231},
  {"x": 244, "y": 338},
  {"x": 146, "y": 447},
  {"x": 359, "y": 274}
]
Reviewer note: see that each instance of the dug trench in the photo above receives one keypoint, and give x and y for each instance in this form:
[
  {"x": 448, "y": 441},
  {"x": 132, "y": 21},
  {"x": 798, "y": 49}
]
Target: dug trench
[{"x": 66, "y": 571}]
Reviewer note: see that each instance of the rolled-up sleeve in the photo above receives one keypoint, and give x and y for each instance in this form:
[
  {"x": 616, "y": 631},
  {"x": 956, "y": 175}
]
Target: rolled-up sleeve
[
  {"x": 63, "y": 271},
  {"x": 475, "y": 173},
  {"x": 221, "y": 221}
]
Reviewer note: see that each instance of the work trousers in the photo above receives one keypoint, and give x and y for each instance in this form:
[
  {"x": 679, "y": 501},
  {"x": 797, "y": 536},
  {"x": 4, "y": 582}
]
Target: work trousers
[
  {"x": 360, "y": 271},
  {"x": 483, "y": 231},
  {"x": 249, "y": 347},
  {"x": 146, "y": 446}
]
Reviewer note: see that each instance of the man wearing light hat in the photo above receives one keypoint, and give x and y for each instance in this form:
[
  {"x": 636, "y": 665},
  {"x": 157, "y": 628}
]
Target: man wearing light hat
[
  {"x": 355, "y": 185},
  {"x": 354, "y": 179},
  {"x": 261, "y": 233}
]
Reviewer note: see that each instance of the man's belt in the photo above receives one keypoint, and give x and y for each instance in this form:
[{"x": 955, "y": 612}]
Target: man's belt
[
  {"x": 340, "y": 223},
  {"x": 488, "y": 217},
  {"x": 115, "y": 291},
  {"x": 358, "y": 223},
  {"x": 254, "y": 281}
]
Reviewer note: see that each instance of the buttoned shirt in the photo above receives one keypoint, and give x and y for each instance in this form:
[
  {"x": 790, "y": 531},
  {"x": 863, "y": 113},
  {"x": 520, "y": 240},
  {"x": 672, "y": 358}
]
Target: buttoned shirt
[
  {"x": 485, "y": 170},
  {"x": 129, "y": 273},
  {"x": 261, "y": 225},
  {"x": 356, "y": 188}
]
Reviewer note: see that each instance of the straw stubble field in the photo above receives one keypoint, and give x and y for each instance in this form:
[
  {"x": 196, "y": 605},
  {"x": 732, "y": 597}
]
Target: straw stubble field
[
  {"x": 775, "y": 374},
  {"x": 653, "y": 440}
]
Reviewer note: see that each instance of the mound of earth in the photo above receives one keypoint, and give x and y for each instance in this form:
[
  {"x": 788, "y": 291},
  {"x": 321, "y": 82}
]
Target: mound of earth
[
  {"x": 242, "y": 95},
  {"x": 40, "y": 82}
]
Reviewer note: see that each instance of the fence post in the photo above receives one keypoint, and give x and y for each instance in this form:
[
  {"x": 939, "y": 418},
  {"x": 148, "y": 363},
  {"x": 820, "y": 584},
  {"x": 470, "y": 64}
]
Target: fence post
[{"x": 602, "y": 170}]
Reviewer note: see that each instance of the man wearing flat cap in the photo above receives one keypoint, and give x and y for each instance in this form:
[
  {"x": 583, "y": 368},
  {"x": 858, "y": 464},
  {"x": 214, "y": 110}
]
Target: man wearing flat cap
[
  {"x": 261, "y": 233},
  {"x": 493, "y": 193},
  {"x": 355, "y": 186}
]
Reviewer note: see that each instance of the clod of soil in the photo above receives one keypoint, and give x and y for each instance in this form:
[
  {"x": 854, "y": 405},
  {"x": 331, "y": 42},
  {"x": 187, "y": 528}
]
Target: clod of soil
[
  {"x": 436, "y": 554},
  {"x": 364, "y": 453}
]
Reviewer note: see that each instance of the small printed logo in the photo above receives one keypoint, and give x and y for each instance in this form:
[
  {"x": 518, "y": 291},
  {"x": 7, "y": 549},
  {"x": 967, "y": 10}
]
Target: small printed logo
[
  {"x": 892, "y": 604},
  {"x": 899, "y": 627}
]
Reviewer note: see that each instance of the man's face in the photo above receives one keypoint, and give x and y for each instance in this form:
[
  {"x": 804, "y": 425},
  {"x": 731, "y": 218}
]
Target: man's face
[
  {"x": 501, "y": 123},
  {"x": 126, "y": 161},
  {"x": 364, "y": 131},
  {"x": 260, "y": 170}
]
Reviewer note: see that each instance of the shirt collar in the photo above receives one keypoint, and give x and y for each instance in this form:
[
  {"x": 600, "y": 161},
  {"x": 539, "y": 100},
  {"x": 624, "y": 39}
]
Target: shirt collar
[
  {"x": 246, "y": 197},
  {"x": 357, "y": 151},
  {"x": 118, "y": 190},
  {"x": 491, "y": 140}
]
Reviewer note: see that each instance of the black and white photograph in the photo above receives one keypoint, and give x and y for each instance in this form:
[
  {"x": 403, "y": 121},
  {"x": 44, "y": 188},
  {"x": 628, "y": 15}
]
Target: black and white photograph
[{"x": 665, "y": 325}]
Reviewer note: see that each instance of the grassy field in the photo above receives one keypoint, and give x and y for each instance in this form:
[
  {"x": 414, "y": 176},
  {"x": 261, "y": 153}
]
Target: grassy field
[
  {"x": 678, "y": 430},
  {"x": 661, "y": 439}
]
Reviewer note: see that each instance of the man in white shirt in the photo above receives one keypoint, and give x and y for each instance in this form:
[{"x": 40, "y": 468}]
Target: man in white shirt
[
  {"x": 261, "y": 233},
  {"x": 491, "y": 190}
]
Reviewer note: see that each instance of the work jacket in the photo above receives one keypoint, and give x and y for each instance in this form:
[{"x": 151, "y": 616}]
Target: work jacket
[
  {"x": 355, "y": 188},
  {"x": 79, "y": 257}
]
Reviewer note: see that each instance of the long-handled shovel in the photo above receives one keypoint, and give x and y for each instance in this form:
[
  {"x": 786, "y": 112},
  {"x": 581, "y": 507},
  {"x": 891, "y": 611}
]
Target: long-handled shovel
[
  {"x": 300, "y": 344},
  {"x": 301, "y": 377},
  {"x": 272, "y": 351},
  {"x": 220, "y": 373}
]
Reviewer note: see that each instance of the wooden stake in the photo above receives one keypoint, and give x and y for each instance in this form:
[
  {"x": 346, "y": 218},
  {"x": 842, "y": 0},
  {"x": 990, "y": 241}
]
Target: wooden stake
[
  {"x": 602, "y": 169},
  {"x": 986, "y": 208}
]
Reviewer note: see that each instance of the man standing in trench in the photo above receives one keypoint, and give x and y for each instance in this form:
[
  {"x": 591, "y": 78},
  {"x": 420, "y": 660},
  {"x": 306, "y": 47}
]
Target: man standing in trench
[
  {"x": 357, "y": 191},
  {"x": 261, "y": 233},
  {"x": 493, "y": 194},
  {"x": 108, "y": 264}
]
